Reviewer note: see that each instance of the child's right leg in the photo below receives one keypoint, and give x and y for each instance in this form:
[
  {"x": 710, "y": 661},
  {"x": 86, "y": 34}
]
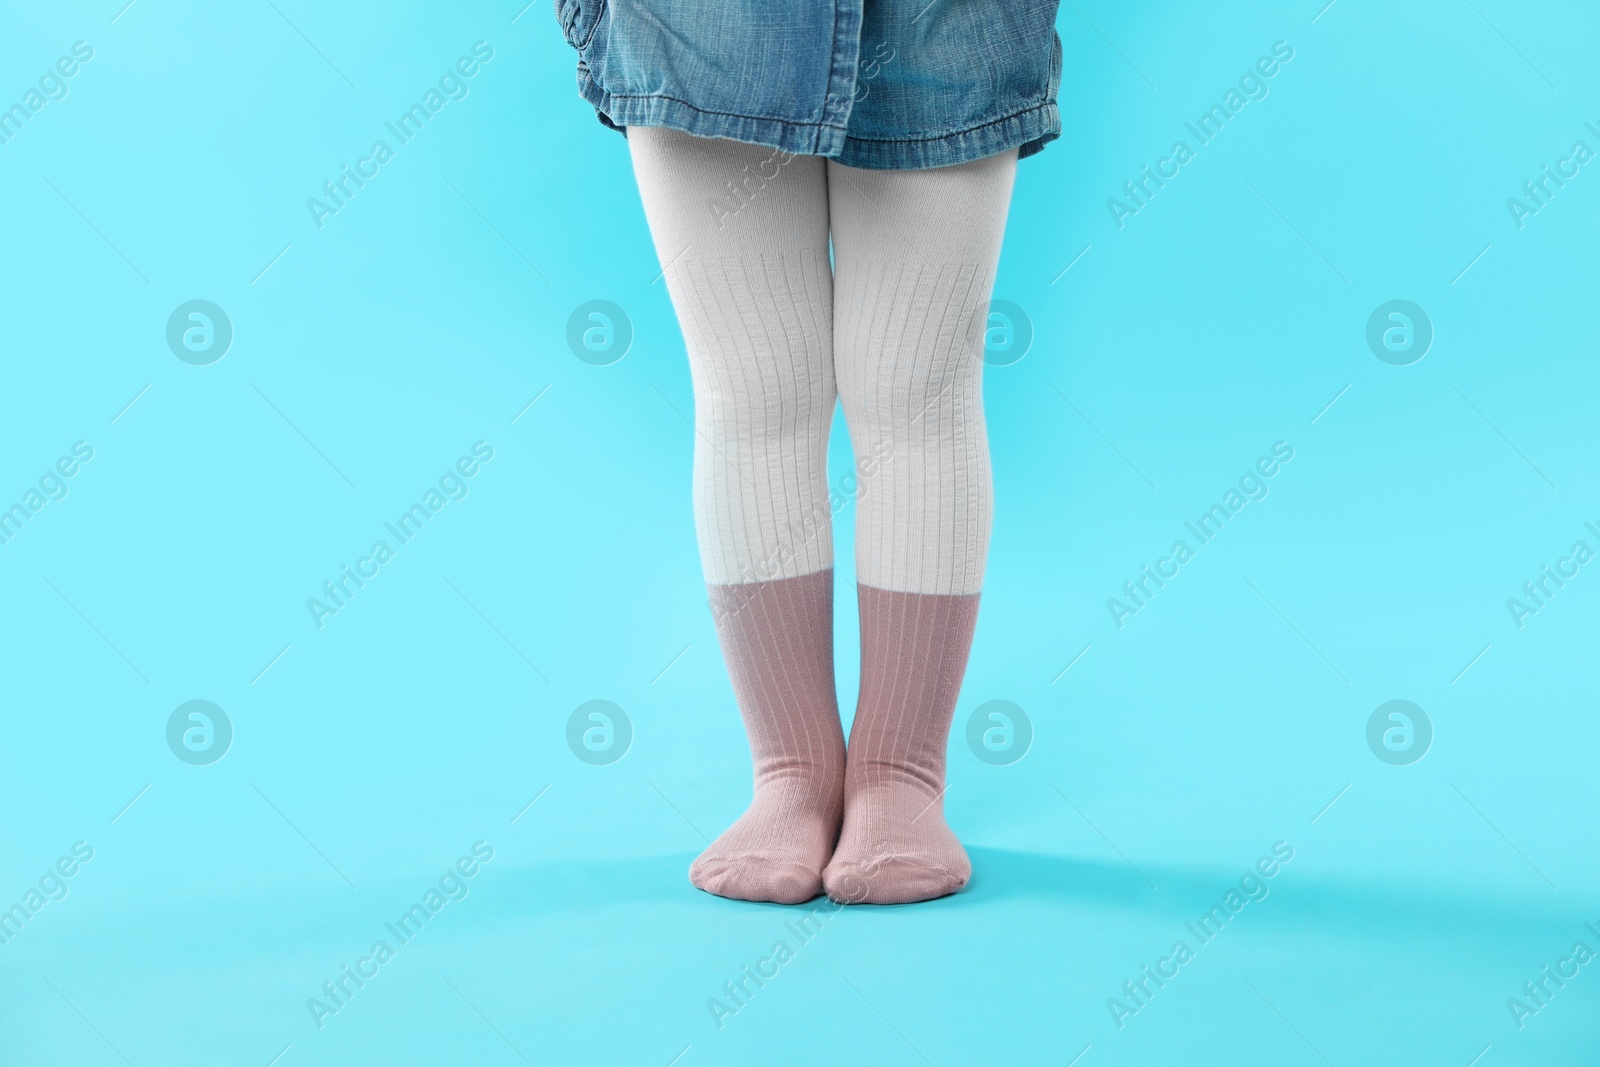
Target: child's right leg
[{"x": 743, "y": 237}]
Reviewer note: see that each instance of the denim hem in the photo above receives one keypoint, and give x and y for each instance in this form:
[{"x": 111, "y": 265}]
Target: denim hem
[
  {"x": 1027, "y": 131},
  {"x": 656, "y": 109}
]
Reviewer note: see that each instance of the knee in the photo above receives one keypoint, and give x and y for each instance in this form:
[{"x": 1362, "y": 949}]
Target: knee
[
  {"x": 933, "y": 365},
  {"x": 764, "y": 407},
  {"x": 903, "y": 399}
]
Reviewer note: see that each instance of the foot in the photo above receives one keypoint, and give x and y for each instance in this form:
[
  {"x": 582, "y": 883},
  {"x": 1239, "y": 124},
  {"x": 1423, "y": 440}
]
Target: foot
[
  {"x": 895, "y": 848},
  {"x": 777, "y": 849}
]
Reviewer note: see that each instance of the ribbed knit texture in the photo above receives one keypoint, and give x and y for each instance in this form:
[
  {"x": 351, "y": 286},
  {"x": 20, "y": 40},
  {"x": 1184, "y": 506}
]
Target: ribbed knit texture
[
  {"x": 743, "y": 238},
  {"x": 895, "y": 846},
  {"x": 777, "y": 641},
  {"x": 914, "y": 261},
  {"x": 764, "y": 399},
  {"x": 742, "y": 234},
  {"x": 746, "y": 264}
]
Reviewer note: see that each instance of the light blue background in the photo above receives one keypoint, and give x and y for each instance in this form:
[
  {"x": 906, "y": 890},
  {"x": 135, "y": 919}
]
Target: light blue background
[{"x": 370, "y": 354}]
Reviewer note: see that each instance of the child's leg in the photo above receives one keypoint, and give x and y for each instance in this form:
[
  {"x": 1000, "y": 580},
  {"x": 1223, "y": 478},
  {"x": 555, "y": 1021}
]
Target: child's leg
[
  {"x": 914, "y": 256},
  {"x": 743, "y": 235}
]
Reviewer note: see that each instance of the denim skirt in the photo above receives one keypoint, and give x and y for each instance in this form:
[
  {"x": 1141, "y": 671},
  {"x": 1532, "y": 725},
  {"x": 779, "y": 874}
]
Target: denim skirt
[{"x": 881, "y": 84}]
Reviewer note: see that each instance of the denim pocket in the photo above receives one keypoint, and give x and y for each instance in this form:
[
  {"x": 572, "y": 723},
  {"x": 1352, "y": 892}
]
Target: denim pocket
[{"x": 579, "y": 19}]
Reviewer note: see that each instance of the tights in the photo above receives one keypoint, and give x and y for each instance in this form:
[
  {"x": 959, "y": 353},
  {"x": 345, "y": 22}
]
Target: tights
[{"x": 776, "y": 335}]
